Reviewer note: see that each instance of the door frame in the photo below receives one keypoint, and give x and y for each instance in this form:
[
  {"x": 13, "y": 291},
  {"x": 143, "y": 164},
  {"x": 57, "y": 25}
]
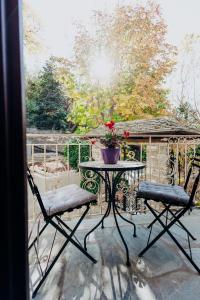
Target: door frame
[{"x": 13, "y": 197}]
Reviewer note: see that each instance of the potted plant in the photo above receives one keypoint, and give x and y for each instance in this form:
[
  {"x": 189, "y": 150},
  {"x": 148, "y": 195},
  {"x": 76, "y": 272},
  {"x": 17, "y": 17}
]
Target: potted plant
[{"x": 111, "y": 141}]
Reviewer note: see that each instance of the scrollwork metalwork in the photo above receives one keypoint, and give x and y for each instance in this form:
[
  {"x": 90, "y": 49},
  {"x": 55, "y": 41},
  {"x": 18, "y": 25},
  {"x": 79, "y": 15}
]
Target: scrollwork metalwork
[{"x": 90, "y": 181}]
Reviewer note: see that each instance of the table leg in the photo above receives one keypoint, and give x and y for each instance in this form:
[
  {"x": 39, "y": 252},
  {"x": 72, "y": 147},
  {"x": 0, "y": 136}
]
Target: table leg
[
  {"x": 122, "y": 238},
  {"x": 106, "y": 215},
  {"x": 128, "y": 221},
  {"x": 97, "y": 225},
  {"x": 112, "y": 188}
]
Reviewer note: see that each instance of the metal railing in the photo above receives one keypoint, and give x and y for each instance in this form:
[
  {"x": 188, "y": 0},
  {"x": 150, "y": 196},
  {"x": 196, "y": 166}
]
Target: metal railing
[{"x": 56, "y": 165}]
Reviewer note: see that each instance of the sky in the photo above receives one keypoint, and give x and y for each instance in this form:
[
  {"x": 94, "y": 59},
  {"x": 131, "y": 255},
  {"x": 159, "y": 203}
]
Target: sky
[{"x": 58, "y": 18}]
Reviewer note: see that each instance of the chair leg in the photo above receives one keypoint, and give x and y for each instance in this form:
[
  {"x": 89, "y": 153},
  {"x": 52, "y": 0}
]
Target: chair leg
[
  {"x": 69, "y": 238},
  {"x": 180, "y": 247},
  {"x": 167, "y": 209},
  {"x": 67, "y": 227},
  {"x": 49, "y": 269},
  {"x": 155, "y": 220},
  {"x": 41, "y": 231},
  {"x": 162, "y": 232},
  {"x": 166, "y": 229},
  {"x": 183, "y": 227}
]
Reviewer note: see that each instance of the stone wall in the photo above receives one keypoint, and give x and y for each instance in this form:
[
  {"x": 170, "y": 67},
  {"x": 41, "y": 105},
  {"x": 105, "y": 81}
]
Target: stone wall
[
  {"x": 157, "y": 162},
  {"x": 47, "y": 138}
]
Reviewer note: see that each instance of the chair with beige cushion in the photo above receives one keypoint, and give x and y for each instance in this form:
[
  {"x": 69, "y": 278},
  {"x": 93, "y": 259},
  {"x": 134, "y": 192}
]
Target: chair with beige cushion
[
  {"x": 176, "y": 201},
  {"x": 55, "y": 203}
]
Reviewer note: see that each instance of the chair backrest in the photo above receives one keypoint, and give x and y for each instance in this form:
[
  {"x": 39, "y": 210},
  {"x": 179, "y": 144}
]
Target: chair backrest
[
  {"x": 36, "y": 193},
  {"x": 195, "y": 164}
]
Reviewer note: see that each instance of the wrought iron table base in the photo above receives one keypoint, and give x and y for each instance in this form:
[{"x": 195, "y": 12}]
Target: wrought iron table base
[{"x": 111, "y": 187}]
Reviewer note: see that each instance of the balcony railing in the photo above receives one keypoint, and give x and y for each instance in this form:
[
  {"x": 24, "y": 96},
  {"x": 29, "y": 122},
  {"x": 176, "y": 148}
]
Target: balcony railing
[{"x": 56, "y": 165}]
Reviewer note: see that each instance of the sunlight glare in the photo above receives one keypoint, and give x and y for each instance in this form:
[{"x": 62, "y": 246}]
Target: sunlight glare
[{"x": 101, "y": 69}]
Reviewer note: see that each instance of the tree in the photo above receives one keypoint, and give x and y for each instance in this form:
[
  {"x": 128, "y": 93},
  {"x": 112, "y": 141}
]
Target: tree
[
  {"x": 186, "y": 80},
  {"x": 32, "y": 42},
  {"x": 133, "y": 38},
  {"x": 63, "y": 71},
  {"x": 185, "y": 113},
  {"x": 47, "y": 102}
]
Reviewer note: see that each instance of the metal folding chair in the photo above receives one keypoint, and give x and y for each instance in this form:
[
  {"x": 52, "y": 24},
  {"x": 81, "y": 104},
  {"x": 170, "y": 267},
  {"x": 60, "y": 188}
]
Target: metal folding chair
[
  {"x": 53, "y": 204},
  {"x": 176, "y": 201}
]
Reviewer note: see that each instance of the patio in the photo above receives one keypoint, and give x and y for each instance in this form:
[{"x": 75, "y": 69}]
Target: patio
[{"x": 163, "y": 273}]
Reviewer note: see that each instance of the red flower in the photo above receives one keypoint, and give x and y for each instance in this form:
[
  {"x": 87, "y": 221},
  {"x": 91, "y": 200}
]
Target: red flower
[
  {"x": 93, "y": 142},
  {"x": 126, "y": 134},
  {"x": 110, "y": 124}
]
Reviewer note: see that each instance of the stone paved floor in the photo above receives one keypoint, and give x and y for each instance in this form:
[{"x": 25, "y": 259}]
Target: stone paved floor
[{"x": 163, "y": 273}]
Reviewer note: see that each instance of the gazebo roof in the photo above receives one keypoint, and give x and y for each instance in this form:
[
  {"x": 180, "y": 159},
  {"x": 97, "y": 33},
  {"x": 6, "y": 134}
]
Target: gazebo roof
[{"x": 157, "y": 126}]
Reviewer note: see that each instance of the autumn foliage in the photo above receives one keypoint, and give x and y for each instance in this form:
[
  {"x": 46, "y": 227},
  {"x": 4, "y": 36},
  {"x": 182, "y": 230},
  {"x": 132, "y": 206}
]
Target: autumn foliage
[{"x": 135, "y": 38}]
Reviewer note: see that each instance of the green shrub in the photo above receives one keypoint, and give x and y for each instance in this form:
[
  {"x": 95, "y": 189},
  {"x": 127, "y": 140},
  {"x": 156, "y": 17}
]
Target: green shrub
[{"x": 78, "y": 151}]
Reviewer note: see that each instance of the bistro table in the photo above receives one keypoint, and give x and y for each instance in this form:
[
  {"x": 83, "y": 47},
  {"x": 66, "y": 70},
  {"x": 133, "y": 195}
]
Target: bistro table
[{"x": 111, "y": 175}]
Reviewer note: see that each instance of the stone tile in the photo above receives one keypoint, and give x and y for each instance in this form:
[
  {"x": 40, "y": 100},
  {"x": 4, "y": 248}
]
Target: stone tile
[{"x": 163, "y": 272}]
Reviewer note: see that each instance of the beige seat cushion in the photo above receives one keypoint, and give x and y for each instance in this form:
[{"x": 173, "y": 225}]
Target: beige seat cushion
[
  {"x": 170, "y": 194},
  {"x": 65, "y": 198}
]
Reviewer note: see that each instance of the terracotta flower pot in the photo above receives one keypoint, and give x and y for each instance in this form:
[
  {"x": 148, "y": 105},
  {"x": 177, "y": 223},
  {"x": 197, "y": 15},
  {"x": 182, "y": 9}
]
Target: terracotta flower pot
[{"x": 110, "y": 155}]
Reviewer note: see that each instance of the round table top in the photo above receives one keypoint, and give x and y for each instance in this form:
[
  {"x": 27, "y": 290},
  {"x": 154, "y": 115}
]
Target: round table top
[{"x": 120, "y": 166}]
